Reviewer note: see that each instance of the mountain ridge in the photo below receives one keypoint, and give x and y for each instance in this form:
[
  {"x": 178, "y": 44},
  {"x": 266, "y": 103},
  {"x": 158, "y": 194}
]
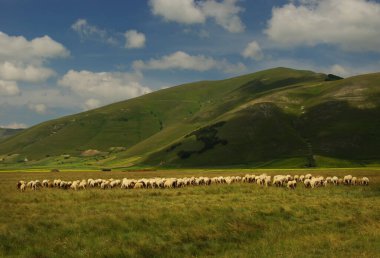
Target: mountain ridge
[{"x": 275, "y": 114}]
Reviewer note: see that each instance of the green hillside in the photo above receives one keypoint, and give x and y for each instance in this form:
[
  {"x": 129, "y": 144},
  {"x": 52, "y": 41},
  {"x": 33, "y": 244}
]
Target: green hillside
[
  {"x": 278, "y": 117},
  {"x": 6, "y": 132}
]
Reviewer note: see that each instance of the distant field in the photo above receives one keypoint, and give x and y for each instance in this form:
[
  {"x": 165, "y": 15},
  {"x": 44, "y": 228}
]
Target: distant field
[{"x": 239, "y": 220}]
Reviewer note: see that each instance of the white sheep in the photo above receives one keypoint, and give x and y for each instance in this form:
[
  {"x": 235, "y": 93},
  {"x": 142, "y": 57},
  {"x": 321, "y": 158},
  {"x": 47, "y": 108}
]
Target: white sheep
[
  {"x": 365, "y": 181},
  {"x": 292, "y": 184},
  {"x": 347, "y": 179},
  {"x": 307, "y": 183}
]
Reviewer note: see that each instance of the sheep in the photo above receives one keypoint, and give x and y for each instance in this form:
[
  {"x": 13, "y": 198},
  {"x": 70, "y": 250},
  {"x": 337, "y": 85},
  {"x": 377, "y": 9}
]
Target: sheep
[
  {"x": 354, "y": 180},
  {"x": 138, "y": 185},
  {"x": 313, "y": 182},
  {"x": 308, "y": 176},
  {"x": 268, "y": 181},
  {"x": 170, "y": 183},
  {"x": 19, "y": 183},
  {"x": 228, "y": 180},
  {"x": 57, "y": 182},
  {"x": 307, "y": 183},
  {"x": 347, "y": 179},
  {"x": 302, "y": 178},
  {"x": 365, "y": 181},
  {"x": 334, "y": 180},
  {"x": 75, "y": 185},
  {"x": 105, "y": 184},
  {"x": 36, "y": 184},
  {"x": 115, "y": 183},
  {"x": 292, "y": 184},
  {"x": 45, "y": 183},
  {"x": 297, "y": 178},
  {"x": 82, "y": 185},
  {"x": 23, "y": 187}
]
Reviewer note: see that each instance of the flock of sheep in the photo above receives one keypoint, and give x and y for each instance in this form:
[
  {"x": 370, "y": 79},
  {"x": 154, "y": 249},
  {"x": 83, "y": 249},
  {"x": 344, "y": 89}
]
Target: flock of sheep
[{"x": 263, "y": 180}]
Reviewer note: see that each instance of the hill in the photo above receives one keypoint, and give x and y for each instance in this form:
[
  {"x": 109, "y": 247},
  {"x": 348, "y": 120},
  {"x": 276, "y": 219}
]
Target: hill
[
  {"x": 277, "y": 117},
  {"x": 6, "y": 132}
]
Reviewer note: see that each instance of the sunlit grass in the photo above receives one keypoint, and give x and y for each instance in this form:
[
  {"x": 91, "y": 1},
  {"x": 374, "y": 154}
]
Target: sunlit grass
[{"x": 240, "y": 220}]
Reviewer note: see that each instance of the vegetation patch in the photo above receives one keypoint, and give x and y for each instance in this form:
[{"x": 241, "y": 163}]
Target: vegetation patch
[{"x": 208, "y": 136}]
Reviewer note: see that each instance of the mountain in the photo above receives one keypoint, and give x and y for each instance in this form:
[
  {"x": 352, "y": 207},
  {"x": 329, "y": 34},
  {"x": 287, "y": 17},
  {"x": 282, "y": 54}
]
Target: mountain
[
  {"x": 6, "y": 132},
  {"x": 278, "y": 117}
]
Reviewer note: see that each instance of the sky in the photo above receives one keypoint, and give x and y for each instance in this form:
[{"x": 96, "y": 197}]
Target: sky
[{"x": 64, "y": 57}]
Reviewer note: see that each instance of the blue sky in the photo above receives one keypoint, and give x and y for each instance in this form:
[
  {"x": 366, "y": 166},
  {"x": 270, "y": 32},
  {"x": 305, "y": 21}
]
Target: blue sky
[{"x": 63, "y": 57}]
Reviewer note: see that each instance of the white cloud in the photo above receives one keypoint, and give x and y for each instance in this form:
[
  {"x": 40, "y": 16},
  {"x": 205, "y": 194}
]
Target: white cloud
[
  {"x": 8, "y": 88},
  {"x": 28, "y": 73},
  {"x": 253, "y": 51},
  {"x": 51, "y": 97},
  {"x": 87, "y": 31},
  {"x": 352, "y": 25},
  {"x": 14, "y": 126},
  {"x": 38, "y": 108},
  {"x": 183, "y": 61},
  {"x": 18, "y": 49},
  {"x": 134, "y": 39},
  {"x": 181, "y": 11},
  {"x": 105, "y": 86},
  {"x": 225, "y": 13},
  {"x": 91, "y": 104},
  {"x": 23, "y": 60}
]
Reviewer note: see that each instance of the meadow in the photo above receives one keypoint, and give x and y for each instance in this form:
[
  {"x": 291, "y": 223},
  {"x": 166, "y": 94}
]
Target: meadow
[{"x": 238, "y": 220}]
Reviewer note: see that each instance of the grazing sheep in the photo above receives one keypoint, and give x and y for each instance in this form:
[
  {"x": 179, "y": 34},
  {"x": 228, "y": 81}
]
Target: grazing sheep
[
  {"x": 75, "y": 185},
  {"x": 365, "y": 181},
  {"x": 292, "y": 184},
  {"x": 302, "y": 178},
  {"x": 105, "y": 184},
  {"x": 347, "y": 179},
  {"x": 45, "y": 183},
  {"x": 138, "y": 185},
  {"x": 23, "y": 187},
  {"x": 354, "y": 180},
  {"x": 307, "y": 183},
  {"x": 334, "y": 180},
  {"x": 19, "y": 183},
  {"x": 308, "y": 176},
  {"x": 340, "y": 181},
  {"x": 82, "y": 185}
]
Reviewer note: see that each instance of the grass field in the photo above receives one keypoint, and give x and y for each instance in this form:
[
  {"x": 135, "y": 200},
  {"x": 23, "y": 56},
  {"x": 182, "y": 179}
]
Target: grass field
[{"x": 239, "y": 220}]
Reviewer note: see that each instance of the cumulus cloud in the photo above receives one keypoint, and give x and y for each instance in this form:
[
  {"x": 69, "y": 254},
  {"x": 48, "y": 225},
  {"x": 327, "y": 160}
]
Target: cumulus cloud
[
  {"x": 86, "y": 31},
  {"x": 224, "y": 13},
  {"x": 353, "y": 25},
  {"x": 8, "y": 88},
  {"x": 91, "y": 104},
  {"x": 19, "y": 49},
  {"x": 38, "y": 108},
  {"x": 105, "y": 86},
  {"x": 23, "y": 60},
  {"x": 253, "y": 51},
  {"x": 22, "y": 72},
  {"x": 14, "y": 126},
  {"x": 181, "y": 11},
  {"x": 134, "y": 39},
  {"x": 183, "y": 61}
]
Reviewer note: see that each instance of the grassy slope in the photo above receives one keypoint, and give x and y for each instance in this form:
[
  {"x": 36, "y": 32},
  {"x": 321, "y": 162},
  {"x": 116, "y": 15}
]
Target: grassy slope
[
  {"x": 5, "y": 132},
  {"x": 240, "y": 220},
  {"x": 278, "y": 114}
]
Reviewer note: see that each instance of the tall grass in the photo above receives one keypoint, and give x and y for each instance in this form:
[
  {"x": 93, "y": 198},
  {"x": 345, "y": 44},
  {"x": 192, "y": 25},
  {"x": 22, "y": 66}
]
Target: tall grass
[{"x": 240, "y": 220}]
